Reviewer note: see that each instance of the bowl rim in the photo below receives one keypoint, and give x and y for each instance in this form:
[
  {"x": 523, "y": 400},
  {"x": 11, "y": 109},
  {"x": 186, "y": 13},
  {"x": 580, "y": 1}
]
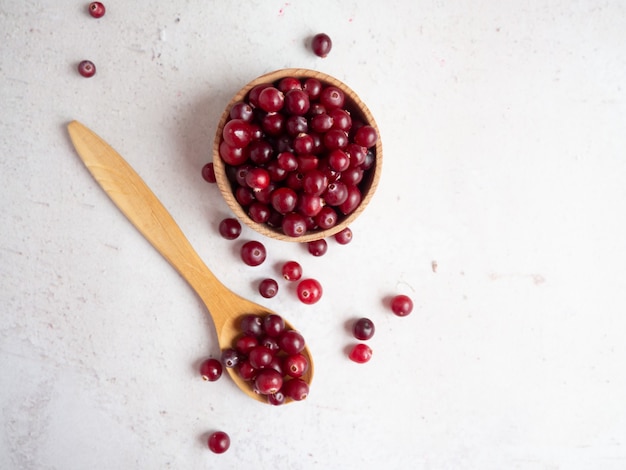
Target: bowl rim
[{"x": 224, "y": 183}]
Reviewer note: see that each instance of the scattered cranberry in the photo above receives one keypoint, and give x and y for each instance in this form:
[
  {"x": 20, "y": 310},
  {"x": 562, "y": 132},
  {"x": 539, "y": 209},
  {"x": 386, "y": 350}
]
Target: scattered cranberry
[
  {"x": 344, "y": 237},
  {"x": 292, "y": 271},
  {"x": 96, "y": 9},
  {"x": 363, "y": 329},
  {"x": 401, "y": 305},
  {"x": 230, "y": 228},
  {"x": 211, "y": 369},
  {"x": 317, "y": 247},
  {"x": 360, "y": 353},
  {"x": 208, "y": 173},
  {"x": 253, "y": 253},
  {"x": 321, "y": 44},
  {"x": 276, "y": 399},
  {"x": 296, "y": 389},
  {"x": 268, "y": 288},
  {"x": 87, "y": 68},
  {"x": 309, "y": 291},
  {"x": 219, "y": 442}
]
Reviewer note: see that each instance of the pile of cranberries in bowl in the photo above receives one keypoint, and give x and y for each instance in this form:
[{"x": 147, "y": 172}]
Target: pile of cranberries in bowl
[
  {"x": 297, "y": 155},
  {"x": 271, "y": 357}
]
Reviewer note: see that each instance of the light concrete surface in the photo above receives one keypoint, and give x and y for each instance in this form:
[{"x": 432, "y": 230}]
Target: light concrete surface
[{"x": 504, "y": 134}]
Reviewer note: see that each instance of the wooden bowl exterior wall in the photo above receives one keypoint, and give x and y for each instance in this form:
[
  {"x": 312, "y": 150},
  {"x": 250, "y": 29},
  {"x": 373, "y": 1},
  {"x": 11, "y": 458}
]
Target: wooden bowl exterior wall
[{"x": 368, "y": 185}]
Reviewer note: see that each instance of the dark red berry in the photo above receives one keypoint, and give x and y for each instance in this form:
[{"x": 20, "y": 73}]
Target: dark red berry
[
  {"x": 291, "y": 341},
  {"x": 360, "y": 353},
  {"x": 237, "y": 133},
  {"x": 219, "y": 442},
  {"x": 230, "y": 357},
  {"x": 271, "y": 99},
  {"x": 268, "y": 381},
  {"x": 260, "y": 356},
  {"x": 251, "y": 324},
  {"x": 96, "y": 9},
  {"x": 268, "y": 288},
  {"x": 296, "y": 389},
  {"x": 292, "y": 271},
  {"x": 208, "y": 173},
  {"x": 296, "y": 365},
  {"x": 230, "y": 228},
  {"x": 309, "y": 291},
  {"x": 401, "y": 305},
  {"x": 211, "y": 369},
  {"x": 363, "y": 329},
  {"x": 366, "y": 136},
  {"x": 273, "y": 325},
  {"x": 344, "y": 237},
  {"x": 276, "y": 399},
  {"x": 253, "y": 253},
  {"x": 87, "y": 68},
  {"x": 294, "y": 224},
  {"x": 317, "y": 247},
  {"x": 321, "y": 44}
]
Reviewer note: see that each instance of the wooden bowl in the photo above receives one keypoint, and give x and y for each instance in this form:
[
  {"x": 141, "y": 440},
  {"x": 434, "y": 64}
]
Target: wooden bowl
[{"x": 367, "y": 186}]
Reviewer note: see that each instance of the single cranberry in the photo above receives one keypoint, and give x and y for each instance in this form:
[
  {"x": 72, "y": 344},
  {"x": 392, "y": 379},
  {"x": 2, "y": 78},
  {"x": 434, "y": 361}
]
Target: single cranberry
[
  {"x": 317, "y": 247},
  {"x": 363, "y": 329},
  {"x": 268, "y": 288},
  {"x": 366, "y": 136},
  {"x": 335, "y": 139},
  {"x": 292, "y": 271},
  {"x": 245, "y": 343},
  {"x": 309, "y": 291},
  {"x": 321, "y": 122},
  {"x": 260, "y": 356},
  {"x": 97, "y": 9},
  {"x": 230, "y": 228},
  {"x": 253, "y": 253},
  {"x": 271, "y": 99},
  {"x": 401, "y": 305},
  {"x": 336, "y": 193},
  {"x": 309, "y": 204},
  {"x": 208, "y": 173},
  {"x": 360, "y": 353},
  {"x": 87, "y": 68},
  {"x": 259, "y": 212},
  {"x": 287, "y": 161},
  {"x": 344, "y": 236},
  {"x": 232, "y": 155},
  {"x": 258, "y": 178},
  {"x": 352, "y": 201},
  {"x": 332, "y": 97},
  {"x": 338, "y": 160},
  {"x": 294, "y": 224},
  {"x": 237, "y": 133},
  {"x": 230, "y": 357},
  {"x": 314, "y": 182},
  {"x": 296, "y": 389},
  {"x": 291, "y": 342},
  {"x": 260, "y": 152},
  {"x": 253, "y": 95},
  {"x": 297, "y": 102},
  {"x": 341, "y": 119},
  {"x": 276, "y": 399},
  {"x": 251, "y": 324},
  {"x": 246, "y": 371},
  {"x": 211, "y": 369},
  {"x": 321, "y": 44},
  {"x": 289, "y": 83},
  {"x": 327, "y": 218},
  {"x": 268, "y": 381},
  {"x": 273, "y": 124},
  {"x": 241, "y": 110},
  {"x": 244, "y": 196},
  {"x": 273, "y": 325},
  {"x": 352, "y": 176},
  {"x": 303, "y": 144},
  {"x": 296, "y": 365},
  {"x": 313, "y": 88},
  {"x": 271, "y": 344},
  {"x": 284, "y": 199},
  {"x": 219, "y": 442},
  {"x": 295, "y": 125}
]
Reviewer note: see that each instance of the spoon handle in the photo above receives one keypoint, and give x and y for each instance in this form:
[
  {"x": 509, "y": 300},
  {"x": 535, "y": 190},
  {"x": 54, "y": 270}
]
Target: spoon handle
[{"x": 139, "y": 204}]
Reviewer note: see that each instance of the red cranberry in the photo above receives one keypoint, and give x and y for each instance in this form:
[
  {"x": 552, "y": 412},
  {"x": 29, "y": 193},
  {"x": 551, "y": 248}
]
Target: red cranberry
[
  {"x": 296, "y": 365},
  {"x": 260, "y": 356},
  {"x": 273, "y": 325},
  {"x": 363, "y": 329},
  {"x": 268, "y": 381},
  {"x": 292, "y": 271},
  {"x": 97, "y": 9},
  {"x": 294, "y": 224},
  {"x": 211, "y": 369},
  {"x": 253, "y": 253},
  {"x": 276, "y": 399},
  {"x": 360, "y": 353},
  {"x": 317, "y": 247},
  {"x": 321, "y": 44},
  {"x": 245, "y": 342},
  {"x": 296, "y": 389},
  {"x": 251, "y": 324},
  {"x": 297, "y": 102},
  {"x": 258, "y": 178},
  {"x": 219, "y": 442},
  {"x": 268, "y": 288},
  {"x": 208, "y": 173},
  {"x": 87, "y": 68},
  {"x": 271, "y": 99},
  {"x": 309, "y": 291},
  {"x": 291, "y": 341},
  {"x": 401, "y": 305},
  {"x": 230, "y": 357},
  {"x": 237, "y": 133},
  {"x": 344, "y": 236},
  {"x": 365, "y": 136},
  {"x": 230, "y": 228}
]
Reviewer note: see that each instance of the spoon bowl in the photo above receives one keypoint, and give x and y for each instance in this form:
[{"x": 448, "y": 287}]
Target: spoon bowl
[{"x": 139, "y": 204}]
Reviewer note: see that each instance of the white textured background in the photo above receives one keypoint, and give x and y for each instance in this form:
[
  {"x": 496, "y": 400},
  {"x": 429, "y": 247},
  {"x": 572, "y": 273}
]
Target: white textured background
[{"x": 504, "y": 133}]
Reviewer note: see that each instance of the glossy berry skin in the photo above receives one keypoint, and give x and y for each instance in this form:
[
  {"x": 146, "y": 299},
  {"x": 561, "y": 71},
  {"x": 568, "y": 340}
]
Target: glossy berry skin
[
  {"x": 268, "y": 288},
  {"x": 309, "y": 291},
  {"x": 230, "y": 357},
  {"x": 291, "y": 271},
  {"x": 296, "y": 365},
  {"x": 208, "y": 173},
  {"x": 296, "y": 389},
  {"x": 253, "y": 253},
  {"x": 363, "y": 329},
  {"x": 401, "y": 305},
  {"x": 268, "y": 381},
  {"x": 96, "y": 9},
  {"x": 229, "y": 228},
  {"x": 87, "y": 68},
  {"x": 321, "y": 44},
  {"x": 251, "y": 324},
  {"x": 317, "y": 247},
  {"x": 211, "y": 370},
  {"x": 344, "y": 236},
  {"x": 273, "y": 325},
  {"x": 219, "y": 442},
  {"x": 360, "y": 353},
  {"x": 291, "y": 341},
  {"x": 276, "y": 399}
]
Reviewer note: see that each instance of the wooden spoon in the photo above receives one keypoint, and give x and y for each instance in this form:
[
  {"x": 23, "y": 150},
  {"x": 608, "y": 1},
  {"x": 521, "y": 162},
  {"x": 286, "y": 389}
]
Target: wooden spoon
[{"x": 139, "y": 204}]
